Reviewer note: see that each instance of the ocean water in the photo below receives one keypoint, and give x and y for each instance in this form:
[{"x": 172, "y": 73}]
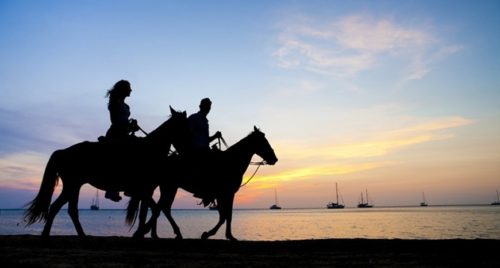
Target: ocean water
[{"x": 446, "y": 222}]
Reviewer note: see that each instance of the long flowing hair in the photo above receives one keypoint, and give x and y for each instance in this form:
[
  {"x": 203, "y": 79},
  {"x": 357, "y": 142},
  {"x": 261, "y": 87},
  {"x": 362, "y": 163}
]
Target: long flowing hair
[{"x": 117, "y": 93}]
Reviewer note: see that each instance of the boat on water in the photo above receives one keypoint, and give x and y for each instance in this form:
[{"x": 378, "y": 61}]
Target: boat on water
[
  {"x": 496, "y": 203},
  {"x": 424, "y": 202},
  {"x": 275, "y": 205},
  {"x": 95, "y": 201},
  {"x": 336, "y": 205},
  {"x": 362, "y": 203}
]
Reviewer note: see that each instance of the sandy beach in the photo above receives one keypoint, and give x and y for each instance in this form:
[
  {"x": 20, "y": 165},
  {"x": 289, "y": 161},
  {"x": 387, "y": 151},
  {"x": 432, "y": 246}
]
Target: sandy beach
[{"x": 69, "y": 251}]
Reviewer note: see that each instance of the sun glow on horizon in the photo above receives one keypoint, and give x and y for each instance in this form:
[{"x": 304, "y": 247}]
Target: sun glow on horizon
[{"x": 301, "y": 164}]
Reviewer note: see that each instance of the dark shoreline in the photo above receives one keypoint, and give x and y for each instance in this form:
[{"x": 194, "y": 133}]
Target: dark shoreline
[
  {"x": 59, "y": 251},
  {"x": 300, "y": 208}
]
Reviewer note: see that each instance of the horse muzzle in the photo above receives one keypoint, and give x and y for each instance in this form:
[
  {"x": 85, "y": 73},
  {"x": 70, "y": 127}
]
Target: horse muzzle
[{"x": 272, "y": 161}]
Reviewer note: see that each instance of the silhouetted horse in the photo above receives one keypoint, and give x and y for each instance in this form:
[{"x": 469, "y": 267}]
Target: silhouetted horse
[
  {"x": 220, "y": 179},
  {"x": 135, "y": 167}
]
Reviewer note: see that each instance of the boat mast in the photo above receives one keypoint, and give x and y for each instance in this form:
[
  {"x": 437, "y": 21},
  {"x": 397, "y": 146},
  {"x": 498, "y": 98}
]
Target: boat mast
[
  {"x": 367, "y": 200},
  {"x": 275, "y": 197},
  {"x": 97, "y": 198},
  {"x": 337, "y": 192}
]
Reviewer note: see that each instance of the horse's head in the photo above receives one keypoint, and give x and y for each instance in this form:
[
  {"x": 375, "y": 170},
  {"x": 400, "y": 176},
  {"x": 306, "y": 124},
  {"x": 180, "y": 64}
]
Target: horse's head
[
  {"x": 181, "y": 133},
  {"x": 262, "y": 146},
  {"x": 174, "y": 131}
]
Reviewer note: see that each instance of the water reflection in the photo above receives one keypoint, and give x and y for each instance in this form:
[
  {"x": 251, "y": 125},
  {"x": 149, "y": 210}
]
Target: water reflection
[{"x": 291, "y": 224}]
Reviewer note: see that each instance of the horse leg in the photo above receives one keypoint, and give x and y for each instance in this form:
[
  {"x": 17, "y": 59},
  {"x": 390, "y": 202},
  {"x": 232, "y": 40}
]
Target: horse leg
[
  {"x": 53, "y": 210},
  {"x": 166, "y": 200},
  {"x": 228, "y": 211},
  {"x": 73, "y": 213},
  {"x": 141, "y": 230},
  {"x": 221, "y": 204},
  {"x": 151, "y": 225}
]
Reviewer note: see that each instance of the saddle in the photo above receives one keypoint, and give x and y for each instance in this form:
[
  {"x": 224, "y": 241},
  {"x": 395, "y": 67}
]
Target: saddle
[{"x": 131, "y": 139}]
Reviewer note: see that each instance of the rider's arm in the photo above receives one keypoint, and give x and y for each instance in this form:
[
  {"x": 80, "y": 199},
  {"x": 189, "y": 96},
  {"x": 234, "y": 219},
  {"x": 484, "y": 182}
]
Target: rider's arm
[{"x": 215, "y": 136}]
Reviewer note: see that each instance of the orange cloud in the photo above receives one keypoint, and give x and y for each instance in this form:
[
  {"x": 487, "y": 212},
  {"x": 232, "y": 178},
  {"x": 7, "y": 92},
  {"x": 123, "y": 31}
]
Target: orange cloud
[
  {"x": 315, "y": 160},
  {"x": 379, "y": 145},
  {"x": 310, "y": 172}
]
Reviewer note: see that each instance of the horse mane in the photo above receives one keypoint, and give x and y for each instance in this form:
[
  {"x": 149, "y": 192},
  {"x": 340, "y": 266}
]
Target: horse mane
[
  {"x": 157, "y": 131},
  {"x": 245, "y": 139},
  {"x": 160, "y": 129}
]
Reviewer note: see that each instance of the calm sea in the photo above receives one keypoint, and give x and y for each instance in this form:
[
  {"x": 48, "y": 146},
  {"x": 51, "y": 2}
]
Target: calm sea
[{"x": 467, "y": 222}]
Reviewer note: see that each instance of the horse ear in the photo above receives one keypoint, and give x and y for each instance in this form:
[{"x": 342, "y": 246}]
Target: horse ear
[
  {"x": 255, "y": 128},
  {"x": 172, "y": 111}
]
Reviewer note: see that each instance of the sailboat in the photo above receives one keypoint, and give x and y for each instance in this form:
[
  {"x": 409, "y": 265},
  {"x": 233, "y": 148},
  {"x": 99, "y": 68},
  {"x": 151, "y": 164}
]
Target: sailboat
[
  {"x": 275, "y": 206},
  {"x": 335, "y": 205},
  {"x": 496, "y": 203},
  {"x": 424, "y": 202},
  {"x": 95, "y": 202},
  {"x": 362, "y": 204}
]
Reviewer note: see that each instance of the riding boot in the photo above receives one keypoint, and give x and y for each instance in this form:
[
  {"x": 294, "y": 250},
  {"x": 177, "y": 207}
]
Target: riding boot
[{"x": 113, "y": 196}]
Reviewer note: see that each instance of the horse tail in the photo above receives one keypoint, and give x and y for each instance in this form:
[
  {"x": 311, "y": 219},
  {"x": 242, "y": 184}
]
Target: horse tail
[
  {"x": 38, "y": 209},
  {"x": 132, "y": 210}
]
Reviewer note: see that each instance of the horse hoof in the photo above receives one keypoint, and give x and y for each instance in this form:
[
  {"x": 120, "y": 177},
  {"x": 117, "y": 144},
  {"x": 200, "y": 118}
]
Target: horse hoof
[
  {"x": 138, "y": 236},
  {"x": 44, "y": 237},
  {"x": 204, "y": 236}
]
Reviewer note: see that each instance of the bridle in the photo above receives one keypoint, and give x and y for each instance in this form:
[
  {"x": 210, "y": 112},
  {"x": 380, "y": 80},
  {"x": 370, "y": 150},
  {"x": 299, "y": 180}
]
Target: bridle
[{"x": 258, "y": 164}]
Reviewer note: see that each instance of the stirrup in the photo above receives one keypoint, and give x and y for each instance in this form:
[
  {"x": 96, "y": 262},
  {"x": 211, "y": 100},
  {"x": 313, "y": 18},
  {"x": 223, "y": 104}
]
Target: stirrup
[{"x": 113, "y": 196}]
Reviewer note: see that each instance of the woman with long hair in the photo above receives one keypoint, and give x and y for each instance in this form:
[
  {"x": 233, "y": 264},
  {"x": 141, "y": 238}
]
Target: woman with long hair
[
  {"x": 121, "y": 125},
  {"x": 119, "y": 111}
]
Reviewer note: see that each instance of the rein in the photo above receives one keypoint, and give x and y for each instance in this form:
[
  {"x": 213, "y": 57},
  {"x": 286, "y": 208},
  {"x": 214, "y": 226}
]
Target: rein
[
  {"x": 142, "y": 130},
  {"x": 219, "y": 140},
  {"x": 258, "y": 164}
]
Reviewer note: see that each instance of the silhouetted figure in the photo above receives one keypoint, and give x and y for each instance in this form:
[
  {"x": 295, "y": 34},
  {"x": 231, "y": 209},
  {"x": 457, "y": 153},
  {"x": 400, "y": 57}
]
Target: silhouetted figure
[
  {"x": 198, "y": 123},
  {"x": 227, "y": 177},
  {"x": 139, "y": 167},
  {"x": 201, "y": 139},
  {"x": 122, "y": 127}
]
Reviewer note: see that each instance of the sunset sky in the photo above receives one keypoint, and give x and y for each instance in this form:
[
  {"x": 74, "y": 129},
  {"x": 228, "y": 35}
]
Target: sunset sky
[{"x": 397, "y": 97}]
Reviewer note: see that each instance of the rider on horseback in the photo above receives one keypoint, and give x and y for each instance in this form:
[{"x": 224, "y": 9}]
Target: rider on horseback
[
  {"x": 122, "y": 128},
  {"x": 198, "y": 124}
]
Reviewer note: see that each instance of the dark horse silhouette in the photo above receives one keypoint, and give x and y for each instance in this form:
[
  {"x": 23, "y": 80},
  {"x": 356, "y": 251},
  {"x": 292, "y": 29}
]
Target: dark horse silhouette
[
  {"x": 134, "y": 167},
  {"x": 220, "y": 179}
]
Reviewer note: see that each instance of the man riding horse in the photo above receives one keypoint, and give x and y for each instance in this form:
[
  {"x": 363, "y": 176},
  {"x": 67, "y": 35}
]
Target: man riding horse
[{"x": 200, "y": 152}]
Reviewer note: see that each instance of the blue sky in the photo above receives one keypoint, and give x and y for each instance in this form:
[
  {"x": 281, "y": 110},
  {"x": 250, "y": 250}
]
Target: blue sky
[{"x": 398, "y": 97}]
